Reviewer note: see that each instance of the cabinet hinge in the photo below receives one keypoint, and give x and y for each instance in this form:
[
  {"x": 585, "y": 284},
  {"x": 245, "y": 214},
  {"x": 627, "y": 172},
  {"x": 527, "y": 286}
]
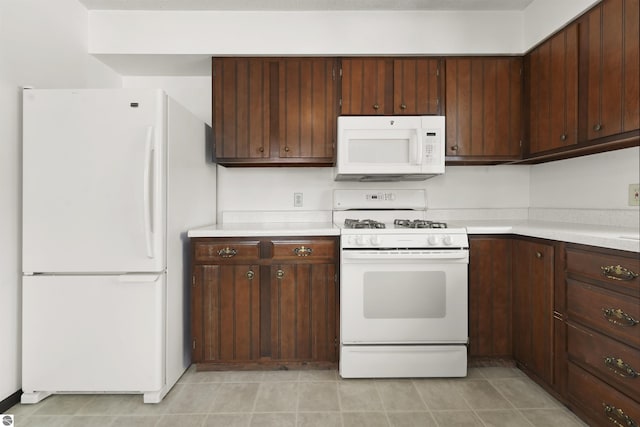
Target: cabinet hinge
[
  {"x": 340, "y": 102},
  {"x": 193, "y": 281},
  {"x": 437, "y": 101},
  {"x": 340, "y": 72},
  {"x": 335, "y": 342},
  {"x": 333, "y": 73},
  {"x": 193, "y": 345},
  {"x": 438, "y": 72},
  {"x": 520, "y": 142}
]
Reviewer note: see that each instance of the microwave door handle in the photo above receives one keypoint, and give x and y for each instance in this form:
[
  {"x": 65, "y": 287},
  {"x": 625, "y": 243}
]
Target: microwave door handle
[{"x": 417, "y": 148}]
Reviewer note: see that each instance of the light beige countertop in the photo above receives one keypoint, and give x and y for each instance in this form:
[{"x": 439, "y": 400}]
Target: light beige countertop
[{"x": 623, "y": 238}]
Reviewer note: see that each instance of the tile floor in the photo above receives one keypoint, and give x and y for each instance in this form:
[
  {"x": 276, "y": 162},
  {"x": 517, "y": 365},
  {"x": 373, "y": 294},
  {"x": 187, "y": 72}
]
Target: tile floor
[{"x": 489, "y": 396}]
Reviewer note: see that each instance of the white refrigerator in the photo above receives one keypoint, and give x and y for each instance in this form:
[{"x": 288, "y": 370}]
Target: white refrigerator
[{"x": 112, "y": 181}]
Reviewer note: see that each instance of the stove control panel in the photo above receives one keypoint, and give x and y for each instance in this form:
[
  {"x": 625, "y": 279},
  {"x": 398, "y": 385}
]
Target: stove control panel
[{"x": 430, "y": 240}]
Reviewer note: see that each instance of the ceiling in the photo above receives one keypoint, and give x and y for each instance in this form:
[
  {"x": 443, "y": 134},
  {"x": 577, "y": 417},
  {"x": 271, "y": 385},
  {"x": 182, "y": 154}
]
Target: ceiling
[{"x": 474, "y": 5}]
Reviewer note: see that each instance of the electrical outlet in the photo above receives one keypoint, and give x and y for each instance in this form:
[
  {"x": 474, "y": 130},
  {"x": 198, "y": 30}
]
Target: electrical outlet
[
  {"x": 634, "y": 194},
  {"x": 297, "y": 200}
]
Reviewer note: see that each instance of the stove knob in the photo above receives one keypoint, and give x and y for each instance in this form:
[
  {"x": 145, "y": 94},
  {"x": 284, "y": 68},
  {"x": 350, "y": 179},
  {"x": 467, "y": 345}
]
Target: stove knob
[
  {"x": 447, "y": 240},
  {"x": 433, "y": 240},
  {"x": 360, "y": 240},
  {"x": 375, "y": 240}
]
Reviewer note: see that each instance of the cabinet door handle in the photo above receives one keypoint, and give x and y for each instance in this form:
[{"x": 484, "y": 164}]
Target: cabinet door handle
[
  {"x": 619, "y": 317},
  {"x": 279, "y": 273},
  {"x": 376, "y": 107},
  {"x": 538, "y": 254},
  {"x": 454, "y": 148},
  {"x": 403, "y": 106},
  {"x": 618, "y": 417},
  {"x": 597, "y": 127},
  {"x": 227, "y": 252},
  {"x": 261, "y": 149},
  {"x": 620, "y": 367},
  {"x": 286, "y": 149},
  {"x": 563, "y": 137},
  {"x": 618, "y": 272},
  {"x": 302, "y": 251},
  {"x": 250, "y": 274}
]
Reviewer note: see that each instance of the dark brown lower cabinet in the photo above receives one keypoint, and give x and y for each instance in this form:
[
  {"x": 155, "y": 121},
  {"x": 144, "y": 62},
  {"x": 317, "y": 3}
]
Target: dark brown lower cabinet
[
  {"x": 264, "y": 302},
  {"x": 533, "y": 307},
  {"x": 303, "y": 312},
  {"x": 603, "y": 339},
  {"x": 490, "y": 297}
]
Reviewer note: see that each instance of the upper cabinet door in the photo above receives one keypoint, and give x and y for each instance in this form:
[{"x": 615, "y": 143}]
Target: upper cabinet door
[
  {"x": 308, "y": 109},
  {"x": 377, "y": 86},
  {"x": 611, "y": 45},
  {"x": 416, "y": 86},
  {"x": 483, "y": 109},
  {"x": 364, "y": 86},
  {"x": 241, "y": 107},
  {"x": 552, "y": 84}
]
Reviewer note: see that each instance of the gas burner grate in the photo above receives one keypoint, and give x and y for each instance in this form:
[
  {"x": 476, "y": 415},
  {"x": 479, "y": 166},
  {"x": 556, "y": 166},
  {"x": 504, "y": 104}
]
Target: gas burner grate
[
  {"x": 418, "y": 223},
  {"x": 362, "y": 223}
]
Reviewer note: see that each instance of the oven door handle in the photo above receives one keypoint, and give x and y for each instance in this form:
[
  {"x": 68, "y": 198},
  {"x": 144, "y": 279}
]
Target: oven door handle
[{"x": 403, "y": 255}]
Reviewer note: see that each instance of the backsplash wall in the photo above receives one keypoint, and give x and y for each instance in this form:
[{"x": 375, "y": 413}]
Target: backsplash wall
[{"x": 461, "y": 187}]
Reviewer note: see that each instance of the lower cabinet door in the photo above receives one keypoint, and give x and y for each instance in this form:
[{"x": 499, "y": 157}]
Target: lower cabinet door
[
  {"x": 303, "y": 312},
  {"x": 225, "y": 313}
]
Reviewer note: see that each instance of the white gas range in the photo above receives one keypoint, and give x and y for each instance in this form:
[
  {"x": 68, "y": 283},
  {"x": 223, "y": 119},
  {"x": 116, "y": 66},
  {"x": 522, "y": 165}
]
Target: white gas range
[{"x": 403, "y": 287}]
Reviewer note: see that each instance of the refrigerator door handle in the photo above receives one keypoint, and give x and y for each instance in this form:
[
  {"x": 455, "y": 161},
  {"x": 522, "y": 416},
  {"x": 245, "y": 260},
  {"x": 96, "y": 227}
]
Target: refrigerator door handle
[{"x": 146, "y": 192}]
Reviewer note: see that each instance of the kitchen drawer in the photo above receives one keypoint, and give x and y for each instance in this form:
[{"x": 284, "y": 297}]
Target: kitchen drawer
[
  {"x": 613, "y": 314},
  {"x": 225, "y": 251},
  {"x": 616, "y": 272},
  {"x": 614, "y": 362},
  {"x": 304, "y": 249},
  {"x": 602, "y": 404}
]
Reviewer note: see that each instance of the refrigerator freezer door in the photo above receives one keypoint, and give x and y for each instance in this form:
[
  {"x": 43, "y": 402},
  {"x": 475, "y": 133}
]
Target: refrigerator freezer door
[
  {"x": 92, "y": 334},
  {"x": 93, "y": 181}
]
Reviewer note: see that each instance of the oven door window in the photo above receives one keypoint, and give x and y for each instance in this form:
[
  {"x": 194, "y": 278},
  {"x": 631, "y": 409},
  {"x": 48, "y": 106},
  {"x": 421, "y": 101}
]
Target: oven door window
[{"x": 404, "y": 295}]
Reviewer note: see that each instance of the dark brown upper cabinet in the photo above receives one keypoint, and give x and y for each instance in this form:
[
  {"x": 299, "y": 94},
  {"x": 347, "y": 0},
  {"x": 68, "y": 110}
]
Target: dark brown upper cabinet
[
  {"x": 610, "y": 66},
  {"x": 483, "y": 109},
  {"x": 274, "y": 111},
  {"x": 552, "y": 86},
  {"x": 391, "y": 86}
]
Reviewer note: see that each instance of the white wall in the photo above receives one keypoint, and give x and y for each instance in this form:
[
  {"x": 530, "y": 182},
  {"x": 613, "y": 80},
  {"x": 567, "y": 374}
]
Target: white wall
[
  {"x": 42, "y": 44},
  {"x": 461, "y": 187},
  {"x": 599, "y": 181}
]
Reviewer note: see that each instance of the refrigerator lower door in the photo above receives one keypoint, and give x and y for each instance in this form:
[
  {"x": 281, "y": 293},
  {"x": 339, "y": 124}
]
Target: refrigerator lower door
[{"x": 92, "y": 334}]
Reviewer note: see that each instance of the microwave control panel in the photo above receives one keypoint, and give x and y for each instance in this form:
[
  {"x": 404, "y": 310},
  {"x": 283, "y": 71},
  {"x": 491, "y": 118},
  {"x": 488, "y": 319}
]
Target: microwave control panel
[{"x": 432, "y": 143}]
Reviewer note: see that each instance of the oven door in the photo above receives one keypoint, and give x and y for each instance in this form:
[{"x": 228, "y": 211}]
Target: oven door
[{"x": 404, "y": 296}]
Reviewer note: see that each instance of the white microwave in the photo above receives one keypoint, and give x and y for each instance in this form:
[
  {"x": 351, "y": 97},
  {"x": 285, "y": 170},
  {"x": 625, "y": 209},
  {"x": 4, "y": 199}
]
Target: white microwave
[{"x": 390, "y": 148}]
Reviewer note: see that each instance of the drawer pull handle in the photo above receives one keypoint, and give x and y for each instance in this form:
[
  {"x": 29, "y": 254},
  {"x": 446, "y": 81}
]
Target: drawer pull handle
[
  {"x": 302, "y": 251},
  {"x": 250, "y": 274},
  {"x": 618, "y": 272},
  {"x": 227, "y": 252},
  {"x": 620, "y": 367},
  {"x": 279, "y": 273},
  {"x": 618, "y": 417},
  {"x": 619, "y": 317}
]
